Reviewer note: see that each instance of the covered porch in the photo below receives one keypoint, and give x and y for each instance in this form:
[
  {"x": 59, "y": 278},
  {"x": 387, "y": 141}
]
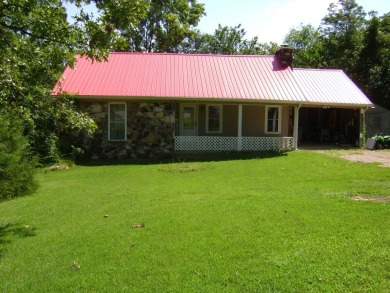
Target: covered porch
[{"x": 235, "y": 127}]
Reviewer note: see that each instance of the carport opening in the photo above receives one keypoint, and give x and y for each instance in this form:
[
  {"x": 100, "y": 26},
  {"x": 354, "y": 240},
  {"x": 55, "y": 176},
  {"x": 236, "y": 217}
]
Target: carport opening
[{"x": 328, "y": 125}]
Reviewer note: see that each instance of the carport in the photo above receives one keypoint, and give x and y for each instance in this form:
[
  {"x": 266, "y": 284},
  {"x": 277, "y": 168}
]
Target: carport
[
  {"x": 329, "y": 125},
  {"x": 334, "y": 108}
]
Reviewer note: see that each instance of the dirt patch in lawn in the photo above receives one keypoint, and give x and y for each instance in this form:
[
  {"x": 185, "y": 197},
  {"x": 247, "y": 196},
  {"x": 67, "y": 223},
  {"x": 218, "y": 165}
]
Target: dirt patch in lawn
[
  {"x": 356, "y": 155},
  {"x": 366, "y": 156},
  {"x": 369, "y": 198}
]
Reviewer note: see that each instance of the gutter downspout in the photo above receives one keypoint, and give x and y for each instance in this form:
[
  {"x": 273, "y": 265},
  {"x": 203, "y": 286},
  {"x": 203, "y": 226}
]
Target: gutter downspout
[{"x": 296, "y": 122}]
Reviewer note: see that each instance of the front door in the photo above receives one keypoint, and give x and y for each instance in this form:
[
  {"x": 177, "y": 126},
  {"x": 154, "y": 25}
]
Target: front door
[{"x": 188, "y": 120}]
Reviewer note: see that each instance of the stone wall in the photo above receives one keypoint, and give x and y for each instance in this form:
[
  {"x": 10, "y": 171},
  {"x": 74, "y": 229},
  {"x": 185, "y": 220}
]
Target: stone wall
[{"x": 150, "y": 131}]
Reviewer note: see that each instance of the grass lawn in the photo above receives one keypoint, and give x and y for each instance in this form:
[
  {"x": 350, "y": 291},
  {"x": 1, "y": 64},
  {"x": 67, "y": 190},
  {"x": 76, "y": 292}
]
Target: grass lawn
[{"x": 274, "y": 224}]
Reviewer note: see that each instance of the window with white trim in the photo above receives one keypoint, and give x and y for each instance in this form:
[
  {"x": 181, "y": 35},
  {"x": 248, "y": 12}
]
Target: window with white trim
[
  {"x": 273, "y": 119},
  {"x": 117, "y": 121},
  {"x": 214, "y": 118}
]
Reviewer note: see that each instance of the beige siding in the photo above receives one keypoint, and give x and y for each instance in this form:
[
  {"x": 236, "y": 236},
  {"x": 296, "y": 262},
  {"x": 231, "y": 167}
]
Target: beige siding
[
  {"x": 285, "y": 118},
  {"x": 230, "y": 120},
  {"x": 253, "y": 120}
]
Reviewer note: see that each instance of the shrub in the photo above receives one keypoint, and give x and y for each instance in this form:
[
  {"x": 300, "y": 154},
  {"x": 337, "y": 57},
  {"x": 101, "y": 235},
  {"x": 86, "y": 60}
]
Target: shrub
[{"x": 17, "y": 165}]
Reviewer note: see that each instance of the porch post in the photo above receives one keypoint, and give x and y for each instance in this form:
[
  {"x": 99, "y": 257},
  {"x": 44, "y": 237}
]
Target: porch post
[
  {"x": 239, "y": 132},
  {"x": 296, "y": 122}
]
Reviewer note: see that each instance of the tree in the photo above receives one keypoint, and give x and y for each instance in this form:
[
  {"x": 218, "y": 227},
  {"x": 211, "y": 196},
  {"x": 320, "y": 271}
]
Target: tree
[
  {"x": 160, "y": 26},
  {"x": 342, "y": 34},
  {"x": 17, "y": 166},
  {"x": 373, "y": 67},
  {"x": 226, "y": 40},
  {"x": 306, "y": 41},
  {"x": 36, "y": 44}
]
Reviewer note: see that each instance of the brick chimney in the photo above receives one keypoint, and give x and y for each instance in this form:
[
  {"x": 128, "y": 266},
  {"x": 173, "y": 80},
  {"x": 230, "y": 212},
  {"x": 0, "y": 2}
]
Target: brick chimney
[{"x": 285, "y": 55}]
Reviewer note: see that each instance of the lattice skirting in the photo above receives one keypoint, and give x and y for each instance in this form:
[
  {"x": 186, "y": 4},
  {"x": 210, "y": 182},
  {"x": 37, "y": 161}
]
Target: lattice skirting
[
  {"x": 267, "y": 143},
  {"x": 217, "y": 143},
  {"x": 205, "y": 143}
]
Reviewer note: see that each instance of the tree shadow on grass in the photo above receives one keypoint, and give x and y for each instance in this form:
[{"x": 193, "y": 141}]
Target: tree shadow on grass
[
  {"x": 187, "y": 157},
  {"x": 10, "y": 231}
]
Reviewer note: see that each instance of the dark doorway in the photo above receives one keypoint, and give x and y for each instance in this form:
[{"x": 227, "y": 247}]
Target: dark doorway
[{"x": 329, "y": 125}]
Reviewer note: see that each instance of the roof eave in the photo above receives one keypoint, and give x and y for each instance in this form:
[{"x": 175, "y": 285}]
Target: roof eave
[
  {"x": 189, "y": 99},
  {"x": 303, "y": 103},
  {"x": 336, "y": 105}
]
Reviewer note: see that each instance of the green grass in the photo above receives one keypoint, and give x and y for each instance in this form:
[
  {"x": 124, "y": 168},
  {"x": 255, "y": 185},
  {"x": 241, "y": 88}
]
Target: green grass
[{"x": 278, "y": 224}]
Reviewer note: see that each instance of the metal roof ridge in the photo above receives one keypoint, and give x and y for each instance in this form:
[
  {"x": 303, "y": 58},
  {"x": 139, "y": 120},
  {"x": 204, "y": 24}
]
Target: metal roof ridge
[{"x": 190, "y": 54}]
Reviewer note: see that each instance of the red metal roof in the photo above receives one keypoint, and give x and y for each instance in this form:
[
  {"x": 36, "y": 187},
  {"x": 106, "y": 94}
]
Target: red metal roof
[
  {"x": 181, "y": 76},
  {"x": 192, "y": 76}
]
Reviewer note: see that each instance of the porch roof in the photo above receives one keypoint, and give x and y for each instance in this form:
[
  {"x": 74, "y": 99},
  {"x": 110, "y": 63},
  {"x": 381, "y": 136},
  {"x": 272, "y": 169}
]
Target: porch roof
[{"x": 206, "y": 77}]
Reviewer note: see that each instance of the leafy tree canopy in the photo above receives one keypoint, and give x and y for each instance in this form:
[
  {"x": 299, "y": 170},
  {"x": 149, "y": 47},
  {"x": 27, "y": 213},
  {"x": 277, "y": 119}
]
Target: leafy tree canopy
[
  {"x": 36, "y": 43},
  {"x": 306, "y": 41},
  {"x": 373, "y": 65},
  {"x": 227, "y": 40},
  {"x": 158, "y": 26},
  {"x": 342, "y": 30}
]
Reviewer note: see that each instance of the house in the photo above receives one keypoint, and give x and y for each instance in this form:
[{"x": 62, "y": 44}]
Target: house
[{"x": 152, "y": 104}]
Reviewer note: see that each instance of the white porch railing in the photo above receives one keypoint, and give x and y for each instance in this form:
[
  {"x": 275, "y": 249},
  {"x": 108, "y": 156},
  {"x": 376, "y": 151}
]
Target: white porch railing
[{"x": 220, "y": 143}]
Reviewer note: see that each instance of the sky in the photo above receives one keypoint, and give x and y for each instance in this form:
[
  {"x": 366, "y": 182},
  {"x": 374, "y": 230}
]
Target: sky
[{"x": 271, "y": 20}]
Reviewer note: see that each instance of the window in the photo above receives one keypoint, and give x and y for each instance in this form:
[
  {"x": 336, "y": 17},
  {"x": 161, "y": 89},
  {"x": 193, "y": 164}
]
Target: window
[
  {"x": 272, "y": 119},
  {"x": 117, "y": 121},
  {"x": 214, "y": 118}
]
